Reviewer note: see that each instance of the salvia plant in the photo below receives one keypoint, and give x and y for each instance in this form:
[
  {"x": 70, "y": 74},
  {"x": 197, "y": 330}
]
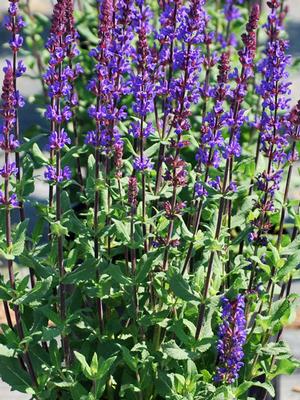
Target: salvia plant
[{"x": 160, "y": 263}]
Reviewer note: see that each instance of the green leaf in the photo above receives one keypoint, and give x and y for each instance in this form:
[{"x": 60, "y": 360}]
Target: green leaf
[
  {"x": 14, "y": 375},
  {"x": 38, "y": 156},
  {"x": 174, "y": 351},
  {"x": 58, "y": 229},
  {"x": 146, "y": 264},
  {"x": 94, "y": 365},
  {"x": 5, "y": 292},
  {"x": 122, "y": 231},
  {"x": 6, "y": 351},
  {"x": 19, "y": 238},
  {"x": 28, "y": 143},
  {"x": 280, "y": 311},
  {"x": 74, "y": 224},
  {"x": 86, "y": 32},
  {"x": 245, "y": 386},
  {"x": 85, "y": 368},
  {"x": 117, "y": 275},
  {"x": 103, "y": 372},
  {"x": 129, "y": 360},
  {"x": 268, "y": 386},
  {"x": 129, "y": 146},
  {"x": 78, "y": 392},
  {"x": 275, "y": 255},
  {"x": 180, "y": 287},
  {"x": 26, "y": 185},
  {"x": 152, "y": 150},
  {"x": 37, "y": 293},
  {"x": 291, "y": 263},
  {"x": 285, "y": 366},
  {"x": 82, "y": 273}
]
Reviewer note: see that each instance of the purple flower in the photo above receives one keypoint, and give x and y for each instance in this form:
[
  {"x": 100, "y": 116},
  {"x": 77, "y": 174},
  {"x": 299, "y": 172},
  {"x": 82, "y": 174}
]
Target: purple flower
[
  {"x": 91, "y": 138},
  {"x": 208, "y": 158},
  {"x": 12, "y": 201},
  {"x": 212, "y": 141},
  {"x": 193, "y": 22},
  {"x": 59, "y": 140},
  {"x": 200, "y": 190},
  {"x": 233, "y": 149},
  {"x": 274, "y": 125},
  {"x": 232, "y": 337},
  {"x": 59, "y": 117},
  {"x": 13, "y": 8},
  {"x": 118, "y": 157},
  {"x": 8, "y": 145},
  {"x": 231, "y": 11},
  {"x": 14, "y": 25},
  {"x": 136, "y": 131},
  {"x": 8, "y": 170},
  {"x": 142, "y": 164},
  {"x": 16, "y": 43},
  {"x": 216, "y": 183},
  {"x": 21, "y": 68},
  {"x": 104, "y": 139},
  {"x": 232, "y": 187},
  {"x": 51, "y": 175}
]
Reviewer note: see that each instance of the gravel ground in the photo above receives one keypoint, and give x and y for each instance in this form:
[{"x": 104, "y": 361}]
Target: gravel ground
[{"x": 29, "y": 87}]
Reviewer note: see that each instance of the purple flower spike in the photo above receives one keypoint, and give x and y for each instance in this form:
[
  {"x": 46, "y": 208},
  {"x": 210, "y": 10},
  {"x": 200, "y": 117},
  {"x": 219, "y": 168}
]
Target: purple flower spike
[
  {"x": 232, "y": 337},
  {"x": 132, "y": 191}
]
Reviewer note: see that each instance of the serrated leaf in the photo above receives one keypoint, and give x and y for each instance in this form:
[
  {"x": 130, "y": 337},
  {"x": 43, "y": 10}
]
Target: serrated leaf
[
  {"x": 181, "y": 288},
  {"x": 117, "y": 275},
  {"x": 84, "y": 272},
  {"x": 292, "y": 262},
  {"x": 146, "y": 263},
  {"x": 285, "y": 366},
  {"x": 122, "y": 230},
  {"x": 19, "y": 238},
  {"x": 37, "y": 293}
]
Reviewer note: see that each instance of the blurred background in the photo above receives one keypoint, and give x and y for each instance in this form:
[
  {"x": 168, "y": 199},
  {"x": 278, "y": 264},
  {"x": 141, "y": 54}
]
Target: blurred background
[{"x": 289, "y": 386}]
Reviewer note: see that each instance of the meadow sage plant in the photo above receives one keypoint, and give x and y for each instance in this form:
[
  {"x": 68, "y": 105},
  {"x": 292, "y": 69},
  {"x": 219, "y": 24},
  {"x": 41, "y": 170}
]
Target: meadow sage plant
[{"x": 162, "y": 258}]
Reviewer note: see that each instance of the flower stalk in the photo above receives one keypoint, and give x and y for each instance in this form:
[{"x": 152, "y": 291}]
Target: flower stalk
[{"x": 9, "y": 143}]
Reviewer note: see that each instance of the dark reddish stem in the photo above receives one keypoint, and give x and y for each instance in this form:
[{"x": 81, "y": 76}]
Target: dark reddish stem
[
  {"x": 96, "y": 223},
  {"x": 17, "y": 136}
]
